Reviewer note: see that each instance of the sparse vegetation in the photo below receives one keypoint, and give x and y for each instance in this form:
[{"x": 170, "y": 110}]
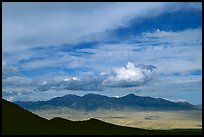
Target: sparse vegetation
[{"x": 139, "y": 119}]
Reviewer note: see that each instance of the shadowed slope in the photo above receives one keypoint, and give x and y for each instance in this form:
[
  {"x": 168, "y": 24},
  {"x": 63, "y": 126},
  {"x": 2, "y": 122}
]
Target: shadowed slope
[
  {"x": 16, "y": 120},
  {"x": 19, "y": 121}
]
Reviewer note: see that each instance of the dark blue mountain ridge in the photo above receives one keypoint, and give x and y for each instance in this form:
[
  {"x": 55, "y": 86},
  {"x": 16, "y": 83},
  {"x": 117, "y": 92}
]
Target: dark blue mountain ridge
[{"x": 91, "y": 102}]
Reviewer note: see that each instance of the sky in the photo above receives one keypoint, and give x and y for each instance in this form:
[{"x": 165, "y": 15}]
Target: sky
[{"x": 114, "y": 49}]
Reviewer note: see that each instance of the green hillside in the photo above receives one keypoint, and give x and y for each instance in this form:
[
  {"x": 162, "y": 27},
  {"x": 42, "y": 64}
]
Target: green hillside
[{"x": 17, "y": 120}]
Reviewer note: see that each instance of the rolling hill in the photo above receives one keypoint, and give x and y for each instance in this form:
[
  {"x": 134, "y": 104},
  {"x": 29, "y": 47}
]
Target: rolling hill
[{"x": 18, "y": 121}]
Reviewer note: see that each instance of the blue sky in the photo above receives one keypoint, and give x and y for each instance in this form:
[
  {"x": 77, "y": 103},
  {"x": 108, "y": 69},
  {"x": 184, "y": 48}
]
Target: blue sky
[{"x": 150, "y": 49}]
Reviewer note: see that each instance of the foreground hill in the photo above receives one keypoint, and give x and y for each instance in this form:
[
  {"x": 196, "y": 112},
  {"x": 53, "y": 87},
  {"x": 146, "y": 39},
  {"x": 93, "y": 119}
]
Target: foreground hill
[
  {"x": 95, "y": 101},
  {"x": 17, "y": 120}
]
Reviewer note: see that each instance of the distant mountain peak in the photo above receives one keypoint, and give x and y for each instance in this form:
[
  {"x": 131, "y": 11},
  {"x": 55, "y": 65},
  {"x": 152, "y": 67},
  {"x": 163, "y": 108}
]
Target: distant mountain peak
[
  {"x": 91, "y": 94},
  {"x": 131, "y": 95},
  {"x": 96, "y": 101},
  {"x": 66, "y": 96}
]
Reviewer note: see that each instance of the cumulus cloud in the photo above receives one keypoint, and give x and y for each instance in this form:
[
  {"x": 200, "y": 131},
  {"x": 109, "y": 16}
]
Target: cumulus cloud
[
  {"x": 84, "y": 82},
  {"x": 21, "y": 88},
  {"x": 130, "y": 75},
  {"x": 16, "y": 86},
  {"x": 87, "y": 83}
]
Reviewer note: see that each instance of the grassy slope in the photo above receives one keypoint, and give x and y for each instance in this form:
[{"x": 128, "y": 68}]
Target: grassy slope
[{"x": 19, "y": 121}]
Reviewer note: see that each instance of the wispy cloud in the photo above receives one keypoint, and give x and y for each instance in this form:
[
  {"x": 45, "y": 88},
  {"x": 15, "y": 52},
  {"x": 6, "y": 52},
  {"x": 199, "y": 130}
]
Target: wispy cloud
[
  {"x": 169, "y": 57},
  {"x": 45, "y": 24},
  {"x": 9, "y": 70}
]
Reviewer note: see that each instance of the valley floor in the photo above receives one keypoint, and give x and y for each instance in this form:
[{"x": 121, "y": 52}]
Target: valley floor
[{"x": 139, "y": 119}]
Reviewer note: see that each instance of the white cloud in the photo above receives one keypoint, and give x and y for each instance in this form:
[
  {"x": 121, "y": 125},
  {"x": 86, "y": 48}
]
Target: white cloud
[
  {"x": 28, "y": 25},
  {"x": 186, "y": 37},
  {"x": 169, "y": 58},
  {"x": 128, "y": 76},
  {"x": 176, "y": 100},
  {"x": 15, "y": 86},
  {"x": 82, "y": 82},
  {"x": 8, "y": 70},
  {"x": 62, "y": 23},
  {"x": 172, "y": 52}
]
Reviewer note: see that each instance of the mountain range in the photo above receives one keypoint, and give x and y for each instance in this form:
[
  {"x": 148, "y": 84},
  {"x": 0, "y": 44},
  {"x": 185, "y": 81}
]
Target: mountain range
[{"x": 91, "y": 102}]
